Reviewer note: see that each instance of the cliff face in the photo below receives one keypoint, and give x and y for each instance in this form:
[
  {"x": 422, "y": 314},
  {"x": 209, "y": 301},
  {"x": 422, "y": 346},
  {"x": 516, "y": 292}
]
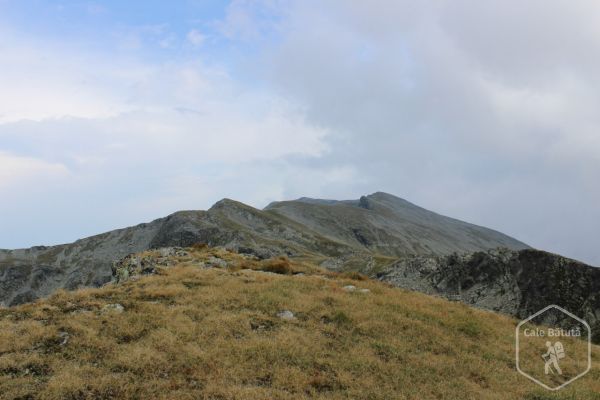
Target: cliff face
[
  {"x": 519, "y": 283},
  {"x": 353, "y": 234}
]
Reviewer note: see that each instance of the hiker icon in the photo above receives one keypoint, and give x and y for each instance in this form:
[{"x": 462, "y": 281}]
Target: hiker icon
[{"x": 555, "y": 353}]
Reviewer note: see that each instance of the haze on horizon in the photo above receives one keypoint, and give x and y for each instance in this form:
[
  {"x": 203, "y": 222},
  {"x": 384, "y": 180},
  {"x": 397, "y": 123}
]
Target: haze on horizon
[{"x": 115, "y": 113}]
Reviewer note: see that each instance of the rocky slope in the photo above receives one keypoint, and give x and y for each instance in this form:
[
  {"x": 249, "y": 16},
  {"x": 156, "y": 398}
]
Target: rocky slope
[
  {"x": 518, "y": 283},
  {"x": 360, "y": 234}
]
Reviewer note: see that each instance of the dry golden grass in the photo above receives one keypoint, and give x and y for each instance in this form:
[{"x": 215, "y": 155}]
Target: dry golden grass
[{"x": 194, "y": 333}]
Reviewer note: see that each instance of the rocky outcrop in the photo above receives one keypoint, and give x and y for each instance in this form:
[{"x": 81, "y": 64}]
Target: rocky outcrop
[
  {"x": 519, "y": 283},
  {"x": 150, "y": 262},
  {"x": 147, "y": 263}
]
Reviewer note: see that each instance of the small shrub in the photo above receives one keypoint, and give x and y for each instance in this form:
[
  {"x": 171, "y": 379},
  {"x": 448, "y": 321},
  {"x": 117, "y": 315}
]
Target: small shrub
[
  {"x": 279, "y": 265},
  {"x": 240, "y": 264},
  {"x": 470, "y": 328},
  {"x": 340, "y": 318},
  {"x": 236, "y": 266},
  {"x": 354, "y": 275},
  {"x": 325, "y": 379},
  {"x": 385, "y": 352},
  {"x": 199, "y": 246}
]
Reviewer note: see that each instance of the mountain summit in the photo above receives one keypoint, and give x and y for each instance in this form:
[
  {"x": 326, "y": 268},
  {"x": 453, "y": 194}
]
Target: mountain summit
[{"x": 388, "y": 225}]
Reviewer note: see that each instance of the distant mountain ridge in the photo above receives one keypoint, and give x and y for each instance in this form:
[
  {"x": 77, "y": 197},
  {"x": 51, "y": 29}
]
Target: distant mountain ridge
[
  {"x": 380, "y": 235},
  {"x": 388, "y": 225},
  {"x": 340, "y": 234}
]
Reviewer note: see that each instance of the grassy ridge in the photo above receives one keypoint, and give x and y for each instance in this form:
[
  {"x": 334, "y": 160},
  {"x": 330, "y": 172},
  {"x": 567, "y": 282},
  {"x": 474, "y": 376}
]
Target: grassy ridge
[{"x": 213, "y": 333}]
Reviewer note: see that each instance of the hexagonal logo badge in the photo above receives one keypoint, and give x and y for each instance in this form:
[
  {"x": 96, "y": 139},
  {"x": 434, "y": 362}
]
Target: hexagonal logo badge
[{"x": 553, "y": 347}]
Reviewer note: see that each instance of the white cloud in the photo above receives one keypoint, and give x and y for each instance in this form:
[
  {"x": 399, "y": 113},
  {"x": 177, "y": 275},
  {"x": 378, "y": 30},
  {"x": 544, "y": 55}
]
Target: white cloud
[
  {"x": 167, "y": 42},
  {"x": 95, "y": 8},
  {"x": 109, "y": 142},
  {"x": 46, "y": 80},
  {"x": 196, "y": 38},
  {"x": 18, "y": 171},
  {"x": 251, "y": 20}
]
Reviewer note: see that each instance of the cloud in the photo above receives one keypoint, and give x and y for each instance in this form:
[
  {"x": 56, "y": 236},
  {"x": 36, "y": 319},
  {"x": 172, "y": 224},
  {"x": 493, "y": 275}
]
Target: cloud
[
  {"x": 17, "y": 171},
  {"x": 95, "y": 8},
  {"x": 196, "y": 38},
  {"x": 43, "y": 80},
  {"x": 251, "y": 20},
  {"x": 482, "y": 111},
  {"x": 106, "y": 143}
]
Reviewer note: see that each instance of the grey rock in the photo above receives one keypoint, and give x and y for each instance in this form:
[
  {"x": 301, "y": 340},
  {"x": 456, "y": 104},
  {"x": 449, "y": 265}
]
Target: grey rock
[
  {"x": 133, "y": 266},
  {"x": 217, "y": 262},
  {"x": 116, "y": 308},
  {"x": 286, "y": 315},
  {"x": 349, "y": 288},
  {"x": 65, "y": 338}
]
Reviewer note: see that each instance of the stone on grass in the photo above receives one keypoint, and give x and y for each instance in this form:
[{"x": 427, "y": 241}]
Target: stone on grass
[
  {"x": 117, "y": 308},
  {"x": 64, "y": 336},
  {"x": 286, "y": 314},
  {"x": 217, "y": 262}
]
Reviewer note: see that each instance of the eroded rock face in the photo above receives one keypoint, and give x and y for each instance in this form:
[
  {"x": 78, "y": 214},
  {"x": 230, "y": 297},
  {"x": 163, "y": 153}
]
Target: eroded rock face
[{"x": 519, "y": 283}]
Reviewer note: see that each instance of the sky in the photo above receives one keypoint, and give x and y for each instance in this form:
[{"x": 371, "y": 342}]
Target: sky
[{"x": 114, "y": 113}]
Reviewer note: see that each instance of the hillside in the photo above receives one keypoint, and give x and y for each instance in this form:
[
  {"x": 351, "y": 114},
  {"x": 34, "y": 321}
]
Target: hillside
[
  {"x": 207, "y": 323},
  {"x": 355, "y": 234}
]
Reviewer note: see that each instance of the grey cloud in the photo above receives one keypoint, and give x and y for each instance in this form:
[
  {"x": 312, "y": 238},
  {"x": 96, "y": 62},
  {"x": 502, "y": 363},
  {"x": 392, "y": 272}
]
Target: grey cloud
[{"x": 482, "y": 110}]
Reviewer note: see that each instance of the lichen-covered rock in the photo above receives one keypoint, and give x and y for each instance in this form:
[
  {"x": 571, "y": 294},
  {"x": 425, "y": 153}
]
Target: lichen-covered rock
[
  {"x": 286, "y": 315},
  {"x": 216, "y": 262},
  {"x": 147, "y": 263}
]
